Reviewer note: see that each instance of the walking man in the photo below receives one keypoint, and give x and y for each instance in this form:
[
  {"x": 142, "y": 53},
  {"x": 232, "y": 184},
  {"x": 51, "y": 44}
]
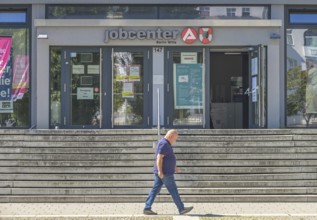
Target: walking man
[{"x": 164, "y": 169}]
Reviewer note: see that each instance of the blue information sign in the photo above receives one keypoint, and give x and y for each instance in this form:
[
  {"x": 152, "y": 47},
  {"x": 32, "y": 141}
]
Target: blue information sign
[{"x": 188, "y": 86}]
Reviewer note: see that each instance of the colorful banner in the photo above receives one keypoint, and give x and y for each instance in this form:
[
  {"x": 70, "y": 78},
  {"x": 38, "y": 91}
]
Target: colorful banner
[
  {"x": 5, "y": 69},
  {"x": 20, "y": 76},
  {"x": 5, "y": 51}
]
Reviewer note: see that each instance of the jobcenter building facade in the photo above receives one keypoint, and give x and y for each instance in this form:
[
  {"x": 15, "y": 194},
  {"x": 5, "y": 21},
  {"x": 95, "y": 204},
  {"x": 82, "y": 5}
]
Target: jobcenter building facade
[{"x": 121, "y": 64}]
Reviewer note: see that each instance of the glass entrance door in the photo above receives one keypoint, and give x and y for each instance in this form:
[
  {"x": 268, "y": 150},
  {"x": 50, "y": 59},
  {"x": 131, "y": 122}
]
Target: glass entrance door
[
  {"x": 131, "y": 88},
  {"x": 81, "y": 88},
  {"x": 185, "y": 88},
  {"x": 257, "y": 87}
]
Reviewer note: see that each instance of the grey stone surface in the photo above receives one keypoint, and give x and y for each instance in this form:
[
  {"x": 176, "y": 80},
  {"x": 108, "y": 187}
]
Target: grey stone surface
[
  {"x": 116, "y": 165},
  {"x": 115, "y": 211}
]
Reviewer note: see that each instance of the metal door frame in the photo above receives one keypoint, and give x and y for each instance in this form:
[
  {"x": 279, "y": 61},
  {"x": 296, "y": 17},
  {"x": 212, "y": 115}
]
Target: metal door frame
[
  {"x": 147, "y": 86},
  {"x": 65, "y": 86},
  {"x": 168, "y": 86}
]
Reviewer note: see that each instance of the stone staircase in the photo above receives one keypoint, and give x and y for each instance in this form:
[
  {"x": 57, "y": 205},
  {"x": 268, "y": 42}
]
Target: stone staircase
[{"x": 116, "y": 165}]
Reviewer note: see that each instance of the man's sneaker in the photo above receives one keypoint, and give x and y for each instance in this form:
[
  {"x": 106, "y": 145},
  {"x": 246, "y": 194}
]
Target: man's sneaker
[
  {"x": 186, "y": 210},
  {"x": 149, "y": 212}
]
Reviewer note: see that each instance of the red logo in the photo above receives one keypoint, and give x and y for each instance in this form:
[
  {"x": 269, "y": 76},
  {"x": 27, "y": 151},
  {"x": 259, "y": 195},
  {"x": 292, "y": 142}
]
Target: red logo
[
  {"x": 205, "y": 35},
  {"x": 189, "y": 35}
]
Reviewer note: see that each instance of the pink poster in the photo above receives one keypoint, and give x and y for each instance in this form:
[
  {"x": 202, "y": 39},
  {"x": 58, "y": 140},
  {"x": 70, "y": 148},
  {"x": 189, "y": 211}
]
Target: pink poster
[
  {"x": 5, "y": 50},
  {"x": 20, "y": 76}
]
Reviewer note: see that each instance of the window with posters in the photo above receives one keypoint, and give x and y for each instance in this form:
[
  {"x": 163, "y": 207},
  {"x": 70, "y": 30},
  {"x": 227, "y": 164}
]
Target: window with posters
[{"x": 14, "y": 72}]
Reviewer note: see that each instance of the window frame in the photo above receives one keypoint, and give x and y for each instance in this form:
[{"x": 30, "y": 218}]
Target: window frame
[
  {"x": 288, "y": 9},
  {"x": 18, "y": 25},
  {"x": 268, "y": 6},
  {"x": 15, "y": 8}
]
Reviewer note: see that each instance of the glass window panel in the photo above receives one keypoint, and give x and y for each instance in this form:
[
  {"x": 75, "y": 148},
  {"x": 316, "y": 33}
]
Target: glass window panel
[
  {"x": 305, "y": 18},
  {"x": 302, "y": 78},
  {"x": 128, "y": 94},
  {"x": 188, "y": 89},
  {"x": 156, "y": 12},
  {"x": 55, "y": 86},
  {"x": 213, "y": 12},
  {"x": 231, "y": 12},
  {"x": 14, "y": 79},
  {"x": 102, "y": 12},
  {"x": 177, "y": 12},
  {"x": 85, "y": 88},
  {"x": 11, "y": 17}
]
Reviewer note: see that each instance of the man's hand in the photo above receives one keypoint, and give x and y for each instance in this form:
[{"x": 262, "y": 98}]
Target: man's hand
[
  {"x": 177, "y": 170},
  {"x": 161, "y": 175},
  {"x": 159, "y": 163}
]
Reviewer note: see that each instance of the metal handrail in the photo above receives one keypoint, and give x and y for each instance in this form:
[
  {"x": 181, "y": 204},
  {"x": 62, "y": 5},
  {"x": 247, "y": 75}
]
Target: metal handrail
[
  {"x": 158, "y": 118},
  {"x": 158, "y": 115}
]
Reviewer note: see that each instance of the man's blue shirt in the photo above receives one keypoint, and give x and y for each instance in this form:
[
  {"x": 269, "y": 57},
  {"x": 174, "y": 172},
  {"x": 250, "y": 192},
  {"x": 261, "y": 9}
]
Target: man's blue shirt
[{"x": 169, "y": 160}]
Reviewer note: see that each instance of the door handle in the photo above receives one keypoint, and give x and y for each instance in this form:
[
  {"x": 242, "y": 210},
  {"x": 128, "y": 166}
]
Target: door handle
[{"x": 247, "y": 92}]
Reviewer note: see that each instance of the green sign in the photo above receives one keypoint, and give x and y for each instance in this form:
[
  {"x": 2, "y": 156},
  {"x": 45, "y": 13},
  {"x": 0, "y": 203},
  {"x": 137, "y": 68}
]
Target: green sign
[{"x": 188, "y": 86}]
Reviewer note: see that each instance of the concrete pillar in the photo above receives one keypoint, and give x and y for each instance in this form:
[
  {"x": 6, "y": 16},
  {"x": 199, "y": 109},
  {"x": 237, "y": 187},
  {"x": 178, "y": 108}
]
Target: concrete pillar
[{"x": 158, "y": 83}]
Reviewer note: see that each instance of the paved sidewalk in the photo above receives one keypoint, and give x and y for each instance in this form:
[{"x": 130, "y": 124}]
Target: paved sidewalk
[{"x": 167, "y": 211}]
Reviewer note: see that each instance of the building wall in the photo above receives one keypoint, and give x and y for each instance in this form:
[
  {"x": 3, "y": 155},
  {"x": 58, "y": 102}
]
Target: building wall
[{"x": 61, "y": 33}]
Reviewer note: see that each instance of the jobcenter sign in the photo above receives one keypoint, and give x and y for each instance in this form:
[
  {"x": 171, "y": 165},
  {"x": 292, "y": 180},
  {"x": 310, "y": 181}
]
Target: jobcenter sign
[{"x": 156, "y": 34}]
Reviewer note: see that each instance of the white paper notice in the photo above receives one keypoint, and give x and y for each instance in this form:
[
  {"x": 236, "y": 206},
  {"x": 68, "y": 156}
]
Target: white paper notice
[
  {"x": 93, "y": 69},
  {"x": 85, "y": 93},
  {"x": 78, "y": 69}
]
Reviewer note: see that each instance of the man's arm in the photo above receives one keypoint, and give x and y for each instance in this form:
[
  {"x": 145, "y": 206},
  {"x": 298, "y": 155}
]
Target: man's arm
[{"x": 159, "y": 163}]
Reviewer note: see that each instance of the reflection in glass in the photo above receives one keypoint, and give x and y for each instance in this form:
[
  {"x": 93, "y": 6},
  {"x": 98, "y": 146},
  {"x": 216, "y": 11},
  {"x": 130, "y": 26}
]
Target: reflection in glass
[
  {"x": 302, "y": 78},
  {"x": 14, "y": 108},
  {"x": 157, "y": 12},
  {"x": 304, "y": 18},
  {"x": 128, "y": 89},
  {"x": 85, "y": 88},
  {"x": 13, "y": 16},
  {"x": 102, "y": 12},
  {"x": 55, "y": 86},
  {"x": 188, "y": 90}
]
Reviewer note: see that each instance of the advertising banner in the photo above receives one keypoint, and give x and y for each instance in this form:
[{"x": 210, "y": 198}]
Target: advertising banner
[
  {"x": 20, "y": 76},
  {"x": 5, "y": 53},
  {"x": 188, "y": 86},
  {"x": 6, "y": 105}
]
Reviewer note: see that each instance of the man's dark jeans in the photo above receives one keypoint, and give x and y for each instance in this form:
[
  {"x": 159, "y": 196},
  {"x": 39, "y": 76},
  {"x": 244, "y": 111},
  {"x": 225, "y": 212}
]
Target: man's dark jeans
[{"x": 169, "y": 182}]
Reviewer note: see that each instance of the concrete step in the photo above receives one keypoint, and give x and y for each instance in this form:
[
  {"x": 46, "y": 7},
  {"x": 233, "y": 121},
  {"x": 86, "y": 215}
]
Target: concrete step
[
  {"x": 149, "y": 177},
  {"x": 145, "y": 191},
  {"x": 74, "y": 144},
  {"x": 88, "y": 138},
  {"x": 116, "y": 165},
  {"x": 126, "y": 157},
  {"x": 132, "y": 138},
  {"x": 149, "y": 183},
  {"x": 150, "y": 163},
  {"x": 161, "y": 198},
  {"x": 148, "y": 170},
  {"x": 149, "y": 150}
]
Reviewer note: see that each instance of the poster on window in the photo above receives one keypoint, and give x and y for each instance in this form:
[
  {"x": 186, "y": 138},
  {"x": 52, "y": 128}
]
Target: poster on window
[
  {"x": 6, "y": 73},
  {"x": 128, "y": 90},
  {"x": 254, "y": 89},
  {"x": 134, "y": 73},
  {"x": 121, "y": 73},
  {"x": 254, "y": 66},
  {"x": 85, "y": 93},
  {"x": 188, "y": 86},
  {"x": 189, "y": 57},
  {"x": 20, "y": 76}
]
